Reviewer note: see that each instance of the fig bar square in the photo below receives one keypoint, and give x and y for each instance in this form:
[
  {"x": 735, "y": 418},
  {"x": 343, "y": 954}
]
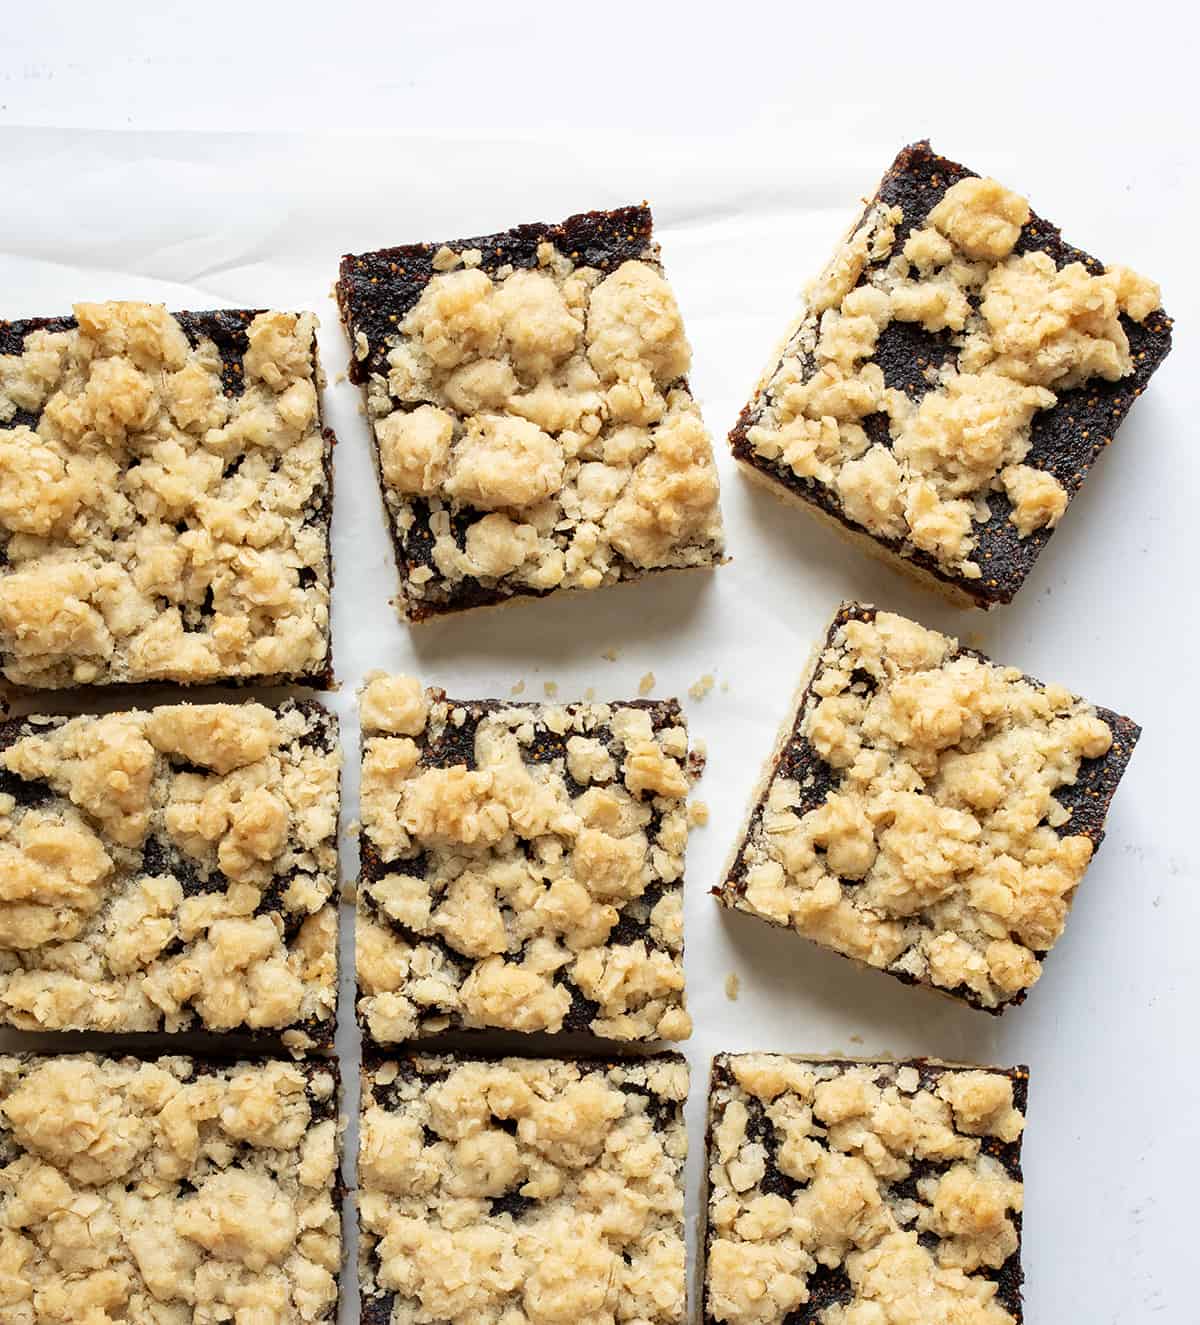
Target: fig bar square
[
  {"x": 533, "y": 1190},
  {"x": 955, "y": 372},
  {"x": 854, "y": 1191},
  {"x": 168, "y": 1190},
  {"x": 522, "y": 865},
  {"x": 531, "y": 419},
  {"x": 165, "y": 494},
  {"x": 929, "y": 812},
  {"x": 171, "y": 870}
]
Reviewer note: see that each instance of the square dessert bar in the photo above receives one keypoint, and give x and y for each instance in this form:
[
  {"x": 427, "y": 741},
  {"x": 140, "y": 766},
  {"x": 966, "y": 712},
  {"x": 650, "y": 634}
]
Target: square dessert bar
[
  {"x": 540, "y": 1190},
  {"x": 531, "y": 418},
  {"x": 928, "y": 812},
  {"x": 847, "y": 1190},
  {"x": 954, "y": 374},
  {"x": 165, "y": 495},
  {"x": 522, "y": 865},
  {"x": 171, "y": 870},
  {"x": 168, "y": 1190}
]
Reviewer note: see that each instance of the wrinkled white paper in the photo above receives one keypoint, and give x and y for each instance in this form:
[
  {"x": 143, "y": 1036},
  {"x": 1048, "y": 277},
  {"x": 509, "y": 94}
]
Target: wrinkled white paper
[{"x": 202, "y": 220}]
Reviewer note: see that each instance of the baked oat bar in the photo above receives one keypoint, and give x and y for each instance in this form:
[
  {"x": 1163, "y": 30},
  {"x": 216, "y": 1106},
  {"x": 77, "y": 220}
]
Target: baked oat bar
[
  {"x": 168, "y": 1191},
  {"x": 929, "y": 812},
  {"x": 531, "y": 418},
  {"x": 522, "y": 865},
  {"x": 955, "y": 372},
  {"x": 165, "y": 494},
  {"x": 522, "y": 1190},
  {"x": 171, "y": 870},
  {"x": 844, "y": 1192}
]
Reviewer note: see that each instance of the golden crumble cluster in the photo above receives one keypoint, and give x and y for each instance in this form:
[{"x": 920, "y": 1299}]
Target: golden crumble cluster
[
  {"x": 862, "y": 1193},
  {"x": 535, "y": 431},
  {"x": 910, "y": 446},
  {"x": 938, "y": 846},
  {"x": 528, "y": 1192},
  {"x": 164, "y": 1192},
  {"x": 157, "y": 525},
  {"x": 522, "y": 865},
  {"x": 170, "y": 869}
]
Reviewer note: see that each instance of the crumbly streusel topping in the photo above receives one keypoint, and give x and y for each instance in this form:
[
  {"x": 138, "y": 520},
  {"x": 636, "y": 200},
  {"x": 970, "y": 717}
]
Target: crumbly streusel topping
[
  {"x": 161, "y": 1193},
  {"x": 935, "y": 853},
  {"x": 539, "y": 1191},
  {"x": 885, "y": 1173},
  {"x": 1022, "y": 330},
  {"x": 154, "y": 527},
  {"x": 524, "y": 865},
  {"x": 539, "y": 421},
  {"x": 170, "y": 868}
]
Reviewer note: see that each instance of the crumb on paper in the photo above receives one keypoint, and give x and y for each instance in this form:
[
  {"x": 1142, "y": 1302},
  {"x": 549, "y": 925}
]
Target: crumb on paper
[
  {"x": 518, "y": 689},
  {"x": 338, "y": 378},
  {"x": 732, "y": 985},
  {"x": 611, "y": 655},
  {"x": 697, "y": 814},
  {"x": 551, "y": 689},
  {"x": 698, "y": 689},
  {"x": 646, "y": 684},
  {"x": 353, "y": 828},
  {"x": 590, "y": 693},
  {"x": 350, "y": 892},
  {"x": 856, "y": 1039}
]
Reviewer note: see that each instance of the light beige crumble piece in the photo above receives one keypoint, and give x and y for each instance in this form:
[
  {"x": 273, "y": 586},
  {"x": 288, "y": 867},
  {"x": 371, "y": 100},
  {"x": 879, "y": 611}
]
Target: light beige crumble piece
[
  {"x": 701, "y": 687},
  {"x": 646, "y": 684},
  {"x": 532, "y": 418},
  {"x": 551, "y": 689},
  {"x": 937, "y": 812},
  {"x": 697, "y": 814},
  {"x": 170, "y": 870},
  {"x": 611, "y": 654},
  {"x": 732, "y": 986},
  {"x": 517, "y": 689},
  {"x": 522, "y": 868},
  {"x": 885, "y": 1180},
  {"x": 164, "y": 512},
  {"x": 519, "y": 1190},
  {"x": 163, "y": 1191},
  {"x": 906, "y": 398}
]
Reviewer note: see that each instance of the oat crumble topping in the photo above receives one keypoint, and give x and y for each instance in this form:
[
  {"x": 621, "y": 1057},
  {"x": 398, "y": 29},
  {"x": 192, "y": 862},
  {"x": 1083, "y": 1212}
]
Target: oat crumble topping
[
  {"x": 166, "y": 1192},
  {"x": 529, "y": 1192},
  {"x": 170, "y": 869},
  {"x": 534, "y": 427},
  {"x": 522, "y": 865},
  {"x": 864, "y": 1193},
  {"x": 921, "y": 817},
  {"x": 155, "y": 523},
  {"x": 914, "y": 465}
]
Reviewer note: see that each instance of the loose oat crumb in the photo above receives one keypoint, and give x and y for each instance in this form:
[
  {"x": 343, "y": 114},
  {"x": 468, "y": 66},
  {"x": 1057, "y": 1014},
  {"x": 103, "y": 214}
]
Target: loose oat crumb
[
  {"x": 611, "y": 655},
  {"x": 697, "y": 814},
  {"x": 856, "y": 1039},
  {"x": 646, "y": 684},
  {"x": 700, "y": 688},
  {"x": 732, "y": 986},
  {"x": 339, "y": 378},
  {"x": 551, "y": 689},
  {"x": 590, "y": 694},
  {"x": 518, "y": 689}
]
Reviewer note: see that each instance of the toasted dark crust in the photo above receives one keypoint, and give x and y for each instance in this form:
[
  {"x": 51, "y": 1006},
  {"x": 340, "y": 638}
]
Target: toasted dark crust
[
  {"x": 375, "y": 291},
  {"x": 828, "y": 1287},
  {"x": 456, "y": 746},
  {"x": 1066, "y": 440},
  {"x": 322, "y": 1110},
  {"x": 160, "y": 857},
  {"x": 376, "y": 1308},
  {"x": 1088, "y": 798},
  {"x": 226, "y": 328}
]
